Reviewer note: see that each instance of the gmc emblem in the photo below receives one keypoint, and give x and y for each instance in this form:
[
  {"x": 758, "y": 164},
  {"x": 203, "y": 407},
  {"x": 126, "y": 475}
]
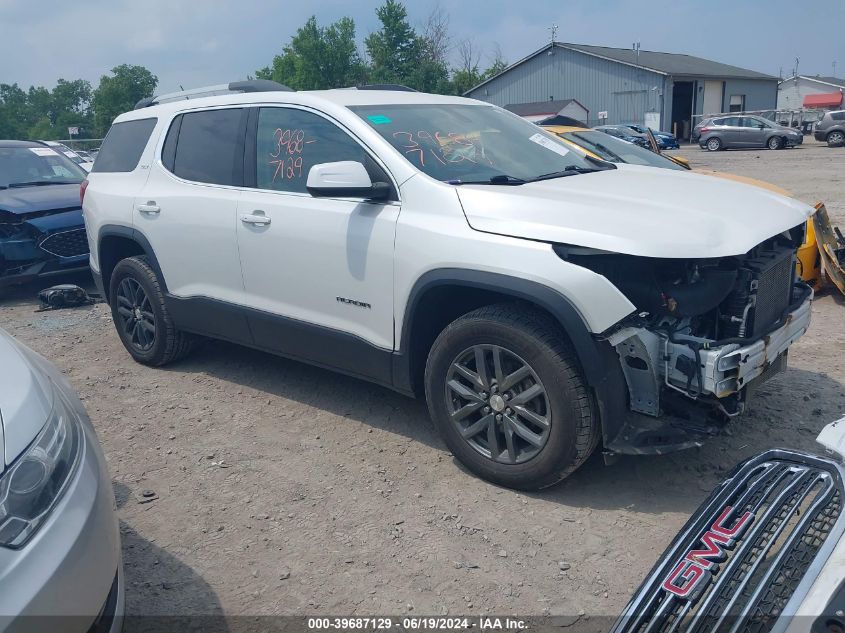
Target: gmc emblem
[{"x": 694, "y": 571}]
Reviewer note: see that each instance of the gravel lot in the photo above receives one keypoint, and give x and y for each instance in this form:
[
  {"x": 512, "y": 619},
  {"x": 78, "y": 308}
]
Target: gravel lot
[{"x": 285, "y": 489}]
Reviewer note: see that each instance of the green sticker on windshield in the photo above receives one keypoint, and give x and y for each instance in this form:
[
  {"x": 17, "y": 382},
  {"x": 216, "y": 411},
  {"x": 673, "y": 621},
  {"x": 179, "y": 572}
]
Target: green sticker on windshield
[{"x": 379, "y": 119}]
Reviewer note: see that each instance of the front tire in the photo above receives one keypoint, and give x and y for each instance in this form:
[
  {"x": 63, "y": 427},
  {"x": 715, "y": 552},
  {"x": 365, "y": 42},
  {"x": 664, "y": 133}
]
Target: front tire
[
  {"x": 508, "y": 397},
  {"x": 141, "y": 317},
  {"x": 714, "y": 144},
  {"x": 775, "y": 142}
]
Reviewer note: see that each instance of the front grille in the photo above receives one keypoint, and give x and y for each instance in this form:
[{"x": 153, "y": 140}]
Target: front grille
[
  {"x": 795, "y": 502},
  {"x": 66, "y": 243}
]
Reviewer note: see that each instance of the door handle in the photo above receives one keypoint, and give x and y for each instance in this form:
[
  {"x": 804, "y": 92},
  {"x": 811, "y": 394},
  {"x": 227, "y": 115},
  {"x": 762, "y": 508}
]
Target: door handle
[
  {"x": 256, "y": 219},
  {"x": 150, "y": 208}
]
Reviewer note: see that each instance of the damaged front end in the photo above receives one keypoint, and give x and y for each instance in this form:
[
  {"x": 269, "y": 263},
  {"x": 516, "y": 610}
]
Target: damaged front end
[
  {"x": 706, "y": 333},
  {"x": 41, "y": 243}
]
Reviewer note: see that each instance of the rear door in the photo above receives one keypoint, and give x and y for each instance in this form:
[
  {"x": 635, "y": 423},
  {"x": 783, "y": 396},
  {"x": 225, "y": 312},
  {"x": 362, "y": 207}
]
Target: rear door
[
  {"x": 318, "y": 272},
  {"x": 187, "y": 212}
]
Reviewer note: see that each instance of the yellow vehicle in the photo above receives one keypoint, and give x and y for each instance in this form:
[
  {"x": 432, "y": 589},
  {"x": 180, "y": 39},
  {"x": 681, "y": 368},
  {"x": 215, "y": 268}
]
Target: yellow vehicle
[{"x": 605, "y": 147}]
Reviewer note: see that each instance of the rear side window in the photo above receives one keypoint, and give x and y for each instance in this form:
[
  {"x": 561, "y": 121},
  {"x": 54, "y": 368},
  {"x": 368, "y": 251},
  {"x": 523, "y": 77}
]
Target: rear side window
[
  {"x": 123, "y": 146},
  {"x": 209, "y": 147},
  {"x": 838, "y": 116}
]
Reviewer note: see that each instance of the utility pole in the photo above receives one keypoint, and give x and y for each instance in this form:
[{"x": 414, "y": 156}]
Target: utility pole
[
  {"x": 553, "y": 29},
  {"x": 636, "y": 48},
  {"x": 796, "y": 66}
]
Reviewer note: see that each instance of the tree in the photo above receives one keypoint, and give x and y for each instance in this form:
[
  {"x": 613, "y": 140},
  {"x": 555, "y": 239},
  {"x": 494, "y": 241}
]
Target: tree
[
  {"x": 119, "y": 93},
  {"x": 466, "y": 75},
  {"x": 497, "y": 64},
  {"x": 394, "y": 48},
  {"x": 14, "y": 112},
  {"x": 318, "y": 58}
]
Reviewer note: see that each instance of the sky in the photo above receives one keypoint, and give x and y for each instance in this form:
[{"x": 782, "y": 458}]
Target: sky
[{"x": 206, "y": 42}]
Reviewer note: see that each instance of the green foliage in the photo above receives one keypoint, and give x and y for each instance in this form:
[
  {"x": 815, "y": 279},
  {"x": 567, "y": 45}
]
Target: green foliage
[
  {"x": 45, "y": 114},
  {"x": 318, "y": 58},
  {"x": 327, "y": 57},
  {"x": 119, "y": 93}
]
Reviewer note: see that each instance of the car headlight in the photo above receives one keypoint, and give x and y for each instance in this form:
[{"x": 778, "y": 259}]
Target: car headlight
[{"x": 37, "y": 479}]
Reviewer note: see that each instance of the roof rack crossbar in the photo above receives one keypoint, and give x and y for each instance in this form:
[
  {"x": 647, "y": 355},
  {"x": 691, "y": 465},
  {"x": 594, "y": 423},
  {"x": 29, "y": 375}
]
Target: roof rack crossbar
[{"x": 251, "y": 85}]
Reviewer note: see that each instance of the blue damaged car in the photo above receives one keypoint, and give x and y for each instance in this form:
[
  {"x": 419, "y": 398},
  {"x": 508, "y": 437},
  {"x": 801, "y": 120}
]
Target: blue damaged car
[{"x": 41, "y": 227}]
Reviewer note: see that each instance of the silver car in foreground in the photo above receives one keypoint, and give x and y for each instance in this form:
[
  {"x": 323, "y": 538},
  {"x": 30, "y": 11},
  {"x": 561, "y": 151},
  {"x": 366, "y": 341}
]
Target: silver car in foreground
[{"x": 60, "y": 563}]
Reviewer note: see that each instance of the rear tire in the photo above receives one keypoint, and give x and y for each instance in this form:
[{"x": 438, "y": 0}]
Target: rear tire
[
  {"x": 141, "y": 317},
  {"x": 526, "y": 419},
  {"x": 835, "y": 138},
  {"x": 714, "y": 144},
  {"x": 775, "y": 142}
]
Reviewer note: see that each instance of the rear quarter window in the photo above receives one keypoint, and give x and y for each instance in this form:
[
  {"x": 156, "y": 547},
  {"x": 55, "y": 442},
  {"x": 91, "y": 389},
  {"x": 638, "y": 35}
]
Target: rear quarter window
[
  {"x": 838, "y": 116},
  {"x": 123, "y": 145}
]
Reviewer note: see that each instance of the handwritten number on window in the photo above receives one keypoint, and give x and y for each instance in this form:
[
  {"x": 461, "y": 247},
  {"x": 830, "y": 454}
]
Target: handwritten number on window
[{"x": 287, "y": 154}]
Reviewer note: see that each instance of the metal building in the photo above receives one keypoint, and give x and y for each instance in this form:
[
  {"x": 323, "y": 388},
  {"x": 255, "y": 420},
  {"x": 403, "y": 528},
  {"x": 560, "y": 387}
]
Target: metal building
[
  {"x": 825, "y": 92},
  {"x": 618, "y": 85}
]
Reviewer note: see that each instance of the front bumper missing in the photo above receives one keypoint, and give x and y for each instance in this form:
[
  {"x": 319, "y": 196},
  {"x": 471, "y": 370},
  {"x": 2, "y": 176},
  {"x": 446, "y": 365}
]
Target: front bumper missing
[
  {"x": 661, "y": 417},
  {"x": 731, "y": 368}
]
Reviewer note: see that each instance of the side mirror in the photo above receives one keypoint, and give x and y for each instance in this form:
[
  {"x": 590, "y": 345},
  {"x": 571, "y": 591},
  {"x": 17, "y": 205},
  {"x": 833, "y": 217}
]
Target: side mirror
[{"x": 344, "y": 179}]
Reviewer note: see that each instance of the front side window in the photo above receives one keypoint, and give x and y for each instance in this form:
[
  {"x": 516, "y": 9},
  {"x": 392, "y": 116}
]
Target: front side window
[
  {"x": 291, "y": 141},
  {"x": 207, "y": 147},
  {"x": 618, "y": 151},
  {"x": 36, "y": 166},
  {"x": 472, "y": 143}
]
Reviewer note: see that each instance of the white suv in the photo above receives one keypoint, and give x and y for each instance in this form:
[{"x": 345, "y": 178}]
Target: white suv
[{"x": 542, "y": 300}]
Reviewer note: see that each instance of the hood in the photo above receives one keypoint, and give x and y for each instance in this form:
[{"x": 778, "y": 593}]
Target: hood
[
  {"x": 636, "y": 210},
  {"x": 832, "y": 437},
  {"x": 25, "y": 399},
  {"x": 20, "y": 200}
]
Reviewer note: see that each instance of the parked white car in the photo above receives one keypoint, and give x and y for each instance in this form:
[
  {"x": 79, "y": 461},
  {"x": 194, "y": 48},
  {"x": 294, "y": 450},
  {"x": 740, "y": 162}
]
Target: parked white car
[
  {"x": 765, "y": 552},
  {"x": 543, "y": 301}
]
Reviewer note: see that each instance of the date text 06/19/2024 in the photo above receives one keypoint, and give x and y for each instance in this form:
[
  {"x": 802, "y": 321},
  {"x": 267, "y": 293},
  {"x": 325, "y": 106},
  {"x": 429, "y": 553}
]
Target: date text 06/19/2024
[{"x": 418, "y": 623}]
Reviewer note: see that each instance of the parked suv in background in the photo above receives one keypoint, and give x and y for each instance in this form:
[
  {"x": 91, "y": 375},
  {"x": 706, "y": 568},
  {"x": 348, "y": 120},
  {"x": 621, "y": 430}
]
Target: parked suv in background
[
  {"x": 730, "y": 132},
  {"x": 542, "y": 301},
  {"x": 831, "y": 129}
]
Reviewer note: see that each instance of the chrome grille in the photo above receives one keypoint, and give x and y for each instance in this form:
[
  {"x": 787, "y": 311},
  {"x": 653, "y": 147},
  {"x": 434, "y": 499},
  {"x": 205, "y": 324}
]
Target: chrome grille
[
  {"x": 66, "y": 243},
  {"x": 796, "y": 503}
]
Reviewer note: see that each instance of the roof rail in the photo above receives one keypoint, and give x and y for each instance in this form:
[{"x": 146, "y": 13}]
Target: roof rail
[
  {"x": 251, "y": 85},
  {"x": 396, "y": 87}
]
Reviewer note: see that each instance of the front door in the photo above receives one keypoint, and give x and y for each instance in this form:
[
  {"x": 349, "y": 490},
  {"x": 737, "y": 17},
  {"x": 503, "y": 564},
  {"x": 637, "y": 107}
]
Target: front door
[{"x": 318, "y": 272}]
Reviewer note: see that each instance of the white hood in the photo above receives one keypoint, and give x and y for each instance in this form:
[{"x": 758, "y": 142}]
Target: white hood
[
  {"x": 25, "y": 400},
  {"x": 636, "y": 210}
]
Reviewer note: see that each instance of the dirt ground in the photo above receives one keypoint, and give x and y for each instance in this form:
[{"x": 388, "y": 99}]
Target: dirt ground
[{"x": 285, "y": 489}]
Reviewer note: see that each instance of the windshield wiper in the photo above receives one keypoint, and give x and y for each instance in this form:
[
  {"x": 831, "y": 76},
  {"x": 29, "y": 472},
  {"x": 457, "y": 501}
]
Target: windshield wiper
[
  {"x": 42, "y": 183},
  {"x": 571, "y": 170},
  {"x": 498, "y": 179}
]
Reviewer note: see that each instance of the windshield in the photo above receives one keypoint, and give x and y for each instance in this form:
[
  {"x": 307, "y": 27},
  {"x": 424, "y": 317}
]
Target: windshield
[
  {"x": 473, "y": 143},
  {"x": 616, "y": 150},
  {"x": 32, "y": 166}
]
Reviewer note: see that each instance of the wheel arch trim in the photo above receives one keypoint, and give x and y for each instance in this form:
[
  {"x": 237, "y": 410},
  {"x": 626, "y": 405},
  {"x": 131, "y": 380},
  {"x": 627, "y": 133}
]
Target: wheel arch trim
[
  {"x": 549, "y": 299},
  {"x": 133, "y": 234}
]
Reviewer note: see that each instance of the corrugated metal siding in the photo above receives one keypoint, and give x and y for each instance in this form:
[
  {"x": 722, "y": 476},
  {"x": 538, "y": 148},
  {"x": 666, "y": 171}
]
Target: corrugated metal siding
[{"x": 625, "y": 92}]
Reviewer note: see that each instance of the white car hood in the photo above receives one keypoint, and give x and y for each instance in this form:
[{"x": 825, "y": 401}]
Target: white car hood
[
  {"x": 25, "y": 400},
  {"x": 636, "y": 210}
]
